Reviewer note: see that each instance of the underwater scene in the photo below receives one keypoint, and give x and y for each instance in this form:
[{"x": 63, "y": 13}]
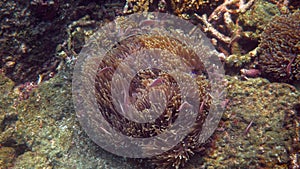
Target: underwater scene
[{"x": 149, "y": 84}]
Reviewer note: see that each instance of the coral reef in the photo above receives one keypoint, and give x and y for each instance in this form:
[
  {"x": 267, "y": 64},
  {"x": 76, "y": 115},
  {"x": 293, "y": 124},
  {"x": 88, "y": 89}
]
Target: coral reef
[
  {"x": 279, "y": 53},
  {"x": 38, "y": 126}
]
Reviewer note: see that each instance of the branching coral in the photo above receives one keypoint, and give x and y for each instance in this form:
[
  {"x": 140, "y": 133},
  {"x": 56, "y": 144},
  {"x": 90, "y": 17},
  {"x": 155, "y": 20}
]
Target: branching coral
[
  {"x": 225, "y": 12},
  {"x": 279, "y": 53},
  {"x": 224, "y": 26}
]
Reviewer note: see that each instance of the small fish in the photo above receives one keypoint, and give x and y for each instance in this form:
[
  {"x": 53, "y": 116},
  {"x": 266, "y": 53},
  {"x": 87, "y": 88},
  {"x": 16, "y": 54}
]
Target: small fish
[
  {"x": 184, "y": 104},
  {"x": 105, "y": 69},
  {"x": 248, "y": 127},
  {"x": 157, "y": 82},
  {"x": 289, "y": 66},
  {"x": 105, "y": 131},
  {"x": 201, "y": 108},
  {"x": 151, "y": 23},
  {"x": 250, "y": 72}
]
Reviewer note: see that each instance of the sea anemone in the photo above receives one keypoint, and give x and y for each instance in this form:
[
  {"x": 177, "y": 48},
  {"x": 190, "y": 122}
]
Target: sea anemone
[
  {"x": 141, "y": 86},
  {"x": 144, "y": 89},
  {"x": 279, "y": 53}
]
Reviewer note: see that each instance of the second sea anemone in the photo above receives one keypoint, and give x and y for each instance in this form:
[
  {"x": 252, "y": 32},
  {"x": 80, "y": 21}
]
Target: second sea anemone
[{"x": 279, "y": 53}]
